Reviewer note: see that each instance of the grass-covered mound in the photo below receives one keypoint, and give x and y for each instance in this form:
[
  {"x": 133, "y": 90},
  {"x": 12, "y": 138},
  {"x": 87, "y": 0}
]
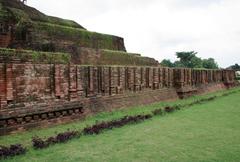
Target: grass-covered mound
[
  {"x": 79, "y": 37},
  {"x": 19, "y": 12},
  {"x": 35, "y": 30}
]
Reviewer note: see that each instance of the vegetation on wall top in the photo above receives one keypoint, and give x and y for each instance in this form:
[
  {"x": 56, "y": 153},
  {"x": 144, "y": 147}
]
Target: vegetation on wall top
[
  {"x": 4, "y": 14},
  {"x": 124, "y": 58},
  {"x": 34, "y": 56}
]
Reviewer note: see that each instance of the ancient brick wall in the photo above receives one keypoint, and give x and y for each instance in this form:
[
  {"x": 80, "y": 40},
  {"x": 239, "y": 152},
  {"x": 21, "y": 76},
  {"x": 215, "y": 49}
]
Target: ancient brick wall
[
  {"x": 5, "y": 39},
  {"x": 5, "y": 35},
  {"x": 192, "y": 81},
  {"x": 42, "y": 88},
  {"x": 21, "y": 83},
  {"x": 36, "y": 93}
]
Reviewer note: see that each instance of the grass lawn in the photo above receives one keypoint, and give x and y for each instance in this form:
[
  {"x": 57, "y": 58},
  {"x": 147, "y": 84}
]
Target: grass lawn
[{"x": 203, "y": 132}]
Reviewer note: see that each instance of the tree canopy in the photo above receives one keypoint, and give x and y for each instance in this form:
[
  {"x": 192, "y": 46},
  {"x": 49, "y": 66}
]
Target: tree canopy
[
  {"x": 235, "y": 67},
  {"x": 167, "y": 63},
  {"x": 190, "y": 60}
]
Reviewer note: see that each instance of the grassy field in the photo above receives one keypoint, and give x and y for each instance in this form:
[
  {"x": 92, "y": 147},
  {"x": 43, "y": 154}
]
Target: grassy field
[{"x": 203, "y": 132}]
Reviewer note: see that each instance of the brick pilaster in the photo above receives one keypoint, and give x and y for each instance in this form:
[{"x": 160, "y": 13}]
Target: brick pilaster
[
  {"x": 9, "y": 83},
  {"x": 3, "y": 99}
]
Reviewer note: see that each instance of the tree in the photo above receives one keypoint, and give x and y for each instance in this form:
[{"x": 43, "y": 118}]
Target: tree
[
  {"x": 186, "y": 58},
  {"x": 167, "y": 63},
  {"x": 209, "y": 63},
  {"x": 178, "y": 64},
  {"x": 190, "y": 60},
  {"x": 196, "y": 62},
  {"x": 235, "y": 67}
]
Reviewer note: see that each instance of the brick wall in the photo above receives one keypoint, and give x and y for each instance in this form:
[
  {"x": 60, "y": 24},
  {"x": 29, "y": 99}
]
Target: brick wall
[
  {"x": 26, "y": 83},
  {"x": 28, "y": 91},
  {"x": 5, "y": 39}
]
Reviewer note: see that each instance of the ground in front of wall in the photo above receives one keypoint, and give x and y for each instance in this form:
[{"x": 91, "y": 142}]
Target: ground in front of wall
[{"x": 208, "y": 132}]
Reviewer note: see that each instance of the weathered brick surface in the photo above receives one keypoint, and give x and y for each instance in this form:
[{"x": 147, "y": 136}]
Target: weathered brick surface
[
  {"x": 5, "y": 36},
  {"x": 38, "y": 94},
  {"x": 3, "y": 89}
]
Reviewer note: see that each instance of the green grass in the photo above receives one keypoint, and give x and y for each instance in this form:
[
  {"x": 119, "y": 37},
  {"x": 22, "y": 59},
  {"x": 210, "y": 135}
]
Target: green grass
[
  {"x": 22, "y": 12},
  {"x": 124, "y": 58},
  {"x": 4, "y": 14},
  {"x": 82, "y": 37},
  {"x": 204, "y": 132},
  {"x": 36, "y": 56}
]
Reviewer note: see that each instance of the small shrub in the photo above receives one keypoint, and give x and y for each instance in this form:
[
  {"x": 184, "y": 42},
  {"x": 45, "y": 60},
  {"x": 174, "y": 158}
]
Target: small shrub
[
  {"x": 51, "y": 140},
  {"x": 39, "y": 143},
  {"x": 169, "y": 109},
  {"x": 177, "y": 107},
  {"x": 99, "y": 127},
  {"x": 210, "y": 98},
  {"x": 157, "y": 112},
  {"x": 63, "y": 137},
  {"x": 197, "y": 102},
  {"x": 11, "y": 151}
]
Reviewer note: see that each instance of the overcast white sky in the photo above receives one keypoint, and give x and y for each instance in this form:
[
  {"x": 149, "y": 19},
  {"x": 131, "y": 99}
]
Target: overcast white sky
[{"x": 159, "y": 28}]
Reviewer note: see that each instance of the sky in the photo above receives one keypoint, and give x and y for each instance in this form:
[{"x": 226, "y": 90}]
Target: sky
[{"x": 159, "y": 28}]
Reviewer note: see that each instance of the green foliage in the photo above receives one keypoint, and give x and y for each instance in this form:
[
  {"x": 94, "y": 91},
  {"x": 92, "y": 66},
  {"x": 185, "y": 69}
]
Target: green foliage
[
  {"x": 209, "y": 63},
  {"x": 35, "y": 56},
  {"x": 167, "y": 63},
  {"x": 178, "y": 64},
  {"x": 196, "y": 62},
  {"x": 4, "y": 14},
  {"x": 63, "y": 22},
  {"x": 43, "y": 28},
  {"x": 186, "y": 58},
  {"x": 235, "y": 67},
  {"x": 19, "y": 15},
  {"x": 20, "y": 11},
  {"x": 21, "y": 29},
  {"x": 190, "y": 60},
  {"x": 80, "y": 36},
  {"x": 110, "y": 57}
]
